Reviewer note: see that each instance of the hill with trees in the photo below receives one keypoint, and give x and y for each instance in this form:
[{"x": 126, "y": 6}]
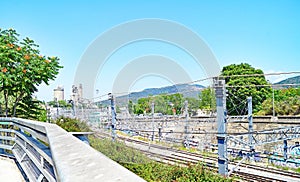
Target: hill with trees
[
  {"x": 169, "y": 104},
  {"x": 291, "y": 80},
  {"x": 187, "y": 90}
]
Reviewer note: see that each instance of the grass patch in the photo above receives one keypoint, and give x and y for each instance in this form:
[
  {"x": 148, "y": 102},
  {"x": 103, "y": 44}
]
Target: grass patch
[
  {"x": 118, "y": 151},
  {"x": 171, "y": 173},
  {"x": 149, "y": 170}
]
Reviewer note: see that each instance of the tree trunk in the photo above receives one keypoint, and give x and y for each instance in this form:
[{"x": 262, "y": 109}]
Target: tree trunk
[
  {"x": 16, "y": 103},
  {"x": 6, "y": 103}
]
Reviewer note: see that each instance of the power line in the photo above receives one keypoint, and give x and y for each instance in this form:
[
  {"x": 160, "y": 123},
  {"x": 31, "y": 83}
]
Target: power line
[
  {"x": 178, "y": 92},
  {"x": 264, "y": 74},
  {"x": 270, "y": 85},
  {"x": 222, "y": 77},
  {"x": 209, "y": 132}
]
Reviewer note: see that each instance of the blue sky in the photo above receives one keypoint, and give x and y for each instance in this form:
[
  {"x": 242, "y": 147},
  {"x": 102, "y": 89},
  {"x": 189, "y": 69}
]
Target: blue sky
[{"x": 264, "y": 34}]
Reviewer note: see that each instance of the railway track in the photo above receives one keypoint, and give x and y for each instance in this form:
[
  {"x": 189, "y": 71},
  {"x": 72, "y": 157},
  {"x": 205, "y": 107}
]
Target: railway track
[
  {"x": 256, "y": 167},
  {"x": 179, "y": 157},
  {"x": 272, "y": 170}
]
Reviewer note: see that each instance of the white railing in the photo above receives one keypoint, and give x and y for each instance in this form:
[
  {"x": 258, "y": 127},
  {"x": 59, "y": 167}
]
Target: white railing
[{"x": 46, "y": 152}]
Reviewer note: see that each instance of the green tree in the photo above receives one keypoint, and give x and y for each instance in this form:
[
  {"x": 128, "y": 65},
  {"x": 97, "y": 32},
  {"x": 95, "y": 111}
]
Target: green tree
[
  {"x": 177, "y": 101},
  {"x": 160, "y": 104},
  {"x": 207, "y": 99},
  {"x": 31, "y": 108},
  {"x": 286, "y": 102},
  {"x": 118, "y": 109},
  {"x": 243, "y": 87},
  {"x": 163, "y": 103},
  {"x": 130, "y": 106},
  {"x": 193, "y": 104},
  {"x": 61, "y": 103},
  {"x": 137, "y": 109},
  {"x": 143, "y": 106},
  {"x": 22, "y": 69}
]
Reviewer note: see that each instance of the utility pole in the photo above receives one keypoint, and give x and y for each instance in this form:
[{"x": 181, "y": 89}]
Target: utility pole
[
  {"x": 73, "y": 107},
  {"x": 221, "y": 124},
  {"x": 113, "y": 116},
  {"x": 57, "y": 105},
  {"x": 186, "y": 128},
  {"x": 152, "y": 112},
  {"x": 285, "y": 147},
  {"x": 250, "y": 129},
  {"x": 47, "y": 112},
  {"x": 159, "y": 133},
  {"x": 250, "y": 120},
  {"x": 273, "y": 101}
]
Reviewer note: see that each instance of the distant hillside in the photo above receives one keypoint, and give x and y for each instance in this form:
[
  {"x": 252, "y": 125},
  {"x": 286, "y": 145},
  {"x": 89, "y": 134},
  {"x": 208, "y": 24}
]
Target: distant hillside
[
  {"x": 292, "y": 80},
  {"x": 186, "y": 89}
]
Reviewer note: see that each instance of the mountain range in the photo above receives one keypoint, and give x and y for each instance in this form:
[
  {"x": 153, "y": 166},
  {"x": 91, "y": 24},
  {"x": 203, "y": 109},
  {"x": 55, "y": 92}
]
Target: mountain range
[
  {"x": 187, "y": 90},
  {"x": 292, "y": 80}
]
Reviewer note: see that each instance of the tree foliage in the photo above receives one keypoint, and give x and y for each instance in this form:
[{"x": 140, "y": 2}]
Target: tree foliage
[
  {"x": 243, "y": 87},
  {"x": 286, "y": 102},
  {"x": 130, "y": 106},
  {"x": 193, "y": 104},
  {"x": 22, "y": 69},
  {"x": 71, "y": 125},
  {"x": 60, "y": 103},
  {"x": 165, "y": 104},
  {"x": 207, "y": 99},
  {"x": 31, "y": 108},
  {"x": 174, "y": 103}
]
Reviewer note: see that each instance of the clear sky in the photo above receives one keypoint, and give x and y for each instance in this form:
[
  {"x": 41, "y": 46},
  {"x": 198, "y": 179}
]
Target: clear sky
[{"x": 264, "y": 34}]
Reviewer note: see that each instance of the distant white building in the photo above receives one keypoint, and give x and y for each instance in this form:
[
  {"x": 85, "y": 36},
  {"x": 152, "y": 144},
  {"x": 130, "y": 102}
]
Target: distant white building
[{"x": 59, "y": 93}]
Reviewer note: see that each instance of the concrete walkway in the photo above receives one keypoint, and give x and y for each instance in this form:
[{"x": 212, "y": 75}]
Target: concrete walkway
[{"x": 9, "y": 170}]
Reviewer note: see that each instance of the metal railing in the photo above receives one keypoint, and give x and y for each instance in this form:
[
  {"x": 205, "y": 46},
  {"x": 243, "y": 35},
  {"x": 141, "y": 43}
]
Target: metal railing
[{"x": 46, "y": 152}]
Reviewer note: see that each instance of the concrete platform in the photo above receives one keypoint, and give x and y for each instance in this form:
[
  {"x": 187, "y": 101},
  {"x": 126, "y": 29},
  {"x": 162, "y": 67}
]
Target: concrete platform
[{"x": 9, "y": 170}]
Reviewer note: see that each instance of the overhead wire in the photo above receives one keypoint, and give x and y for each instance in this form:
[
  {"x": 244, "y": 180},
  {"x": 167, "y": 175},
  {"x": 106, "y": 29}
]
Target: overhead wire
[
  {"x": 264, "y": 74},
  {"x": 240, "y": 108},
  {"x": 211, "y": 132},
  {"x": 229, "y": 86}
]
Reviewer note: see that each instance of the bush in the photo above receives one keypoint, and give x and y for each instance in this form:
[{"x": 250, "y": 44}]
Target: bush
[{"x": 72, "y": 125}]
